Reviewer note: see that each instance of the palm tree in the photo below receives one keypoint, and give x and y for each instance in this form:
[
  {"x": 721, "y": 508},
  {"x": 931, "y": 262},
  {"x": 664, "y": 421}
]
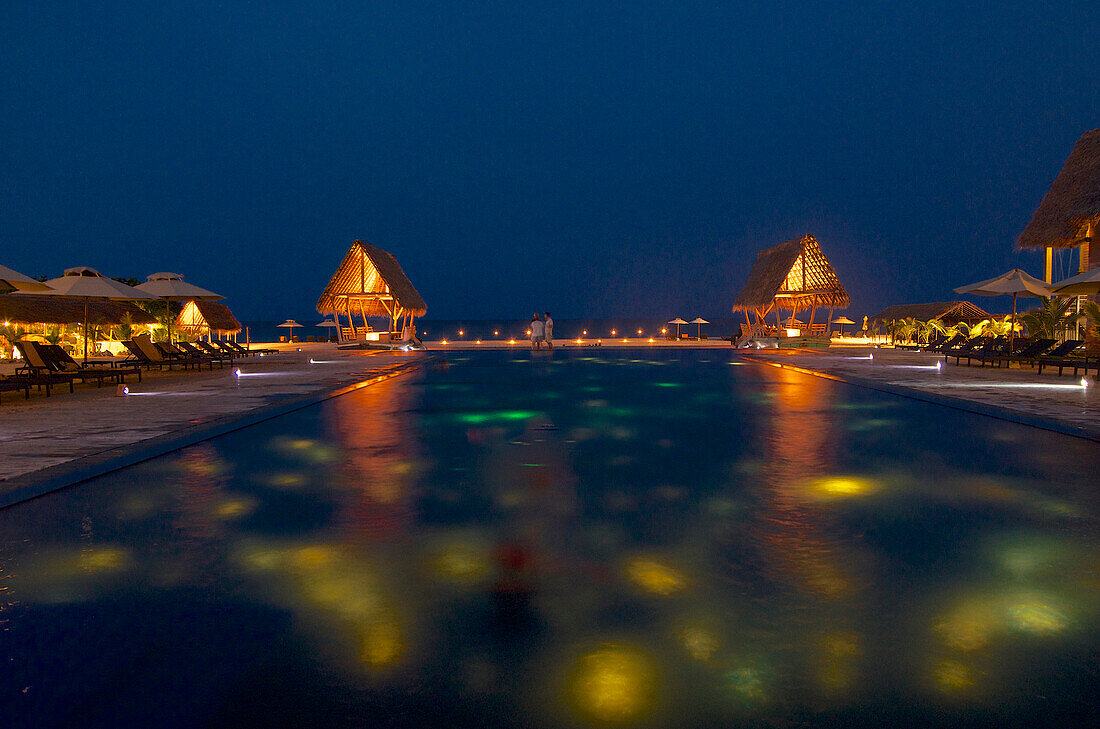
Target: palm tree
[
  {"x": 1090, "y": 315},
  {"x": 1050, "y": 320}
]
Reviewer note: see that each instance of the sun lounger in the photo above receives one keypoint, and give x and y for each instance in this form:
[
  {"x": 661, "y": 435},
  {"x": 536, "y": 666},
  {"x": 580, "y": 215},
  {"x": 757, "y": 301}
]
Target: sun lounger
[
  {"x": 66, "y": 365},
  {"x": 192, "y": 351},
  {"x": 35, "y": 370},
  {"x": 1026, "y": 351},
  {"x": 10, "y": 384},
  {"x": 213, "y": 351},
  {"x": 969, "y": 348},
  {"x": 1061, "y": 357},
  {"x": 178, "y": 356},
  {"x": 147, "y": 354},
  {"x": 241, "y": 350}
]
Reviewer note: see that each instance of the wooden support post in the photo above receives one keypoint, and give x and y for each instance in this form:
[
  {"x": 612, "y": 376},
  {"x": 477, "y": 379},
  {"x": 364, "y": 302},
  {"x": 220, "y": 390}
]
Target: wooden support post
[{"x": 1049, "y": 270}]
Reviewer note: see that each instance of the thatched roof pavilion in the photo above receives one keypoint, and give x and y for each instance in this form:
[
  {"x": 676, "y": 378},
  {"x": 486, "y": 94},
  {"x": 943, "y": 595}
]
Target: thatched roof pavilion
[
  {"x": 1069, "y": 215},
  {"x": 948, "y": 312},
  {"x": 201, "y": 317},
  {"x": 794, "y": 275},
  {"x": 30, "y": 309},
  {"x": 370, "y": 283}
]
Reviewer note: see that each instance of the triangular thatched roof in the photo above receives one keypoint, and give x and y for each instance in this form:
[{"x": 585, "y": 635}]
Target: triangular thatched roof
[
  {"x": 30, "y": 309},
  {"x": 949, "y": 312},
  {"x": 201, "y": 315},
  {"x": 372, "y": 278},
  {"x": 1072, "y": 202},
  {"x": 795, "y": 275}
]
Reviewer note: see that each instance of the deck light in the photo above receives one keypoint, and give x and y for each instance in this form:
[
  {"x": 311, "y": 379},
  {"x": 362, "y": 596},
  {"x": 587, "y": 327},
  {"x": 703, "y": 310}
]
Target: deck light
[
  {"x": 496, "y": 333},
  {"x": 584, "y": 333},
  {"x": 122, "y": 390},
  {"x": 237, "y": 372},
  {"x": 939, "y": 366},
  {"x": 664, "y": 330},
  {"x": 477, "y": 341},
  {"x": 444, "y": 341},
  {"x": 624, "y": 341},
  {"x": 639, "y": 332},
  {"x": 613, "y": 332},
  {"x": 651, "y": 340},
  {"x": 579, "y": 341},
  {"x": 1084, "y": 382},
  {"x": 461, "y": 333},
  {"x": 511, "y": 341}
]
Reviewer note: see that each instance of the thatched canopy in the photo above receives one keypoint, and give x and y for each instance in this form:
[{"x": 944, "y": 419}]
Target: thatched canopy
[
  {"x": 1071, "y": 203},
  {"x": 794, "y": 275},
  {"x": 29, "y": 309},
  {"x": 949, "y": 312},
  {"x": 370, "y": 282},
  {"x": 203, "y": 316}
]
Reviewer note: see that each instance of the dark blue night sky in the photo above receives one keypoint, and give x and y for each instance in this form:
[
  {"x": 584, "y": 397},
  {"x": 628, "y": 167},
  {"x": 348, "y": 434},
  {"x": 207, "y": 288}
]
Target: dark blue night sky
[{"x": 591, "y": 158}]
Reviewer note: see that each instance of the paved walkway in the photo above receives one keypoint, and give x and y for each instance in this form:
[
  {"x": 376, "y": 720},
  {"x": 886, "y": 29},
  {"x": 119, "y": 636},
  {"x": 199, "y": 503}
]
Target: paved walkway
[
  {"x": 43, "y": 432},
  {"x": 1019, "y": 393}
]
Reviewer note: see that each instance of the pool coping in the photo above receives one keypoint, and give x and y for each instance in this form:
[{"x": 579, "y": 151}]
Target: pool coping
[
  {"x": 54, "y": 478},
  {"x": 956, "y": 403}
]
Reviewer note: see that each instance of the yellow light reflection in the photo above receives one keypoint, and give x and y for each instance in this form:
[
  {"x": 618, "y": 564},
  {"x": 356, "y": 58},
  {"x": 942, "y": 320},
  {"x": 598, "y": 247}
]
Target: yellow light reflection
[
  {"x": 614, "y": 684},
  {"x": 103, "y": 559},
  {"x": 655, "y": 577},
  {"x": 838, "y": 653},
  {"x": 699, "y": 642},
  {"x": 381, "y": 643},
  {"x": 968, "y": 627},
  {"x": 951, "y": 675},
  {"x": 1035, "y": 614},
  {"x": 234, "y": 508},
  {"x": 840, "y": 487}
]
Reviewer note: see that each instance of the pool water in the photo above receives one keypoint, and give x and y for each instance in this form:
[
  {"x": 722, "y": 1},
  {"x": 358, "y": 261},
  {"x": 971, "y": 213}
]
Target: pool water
[{"x": 588, "y": 539}]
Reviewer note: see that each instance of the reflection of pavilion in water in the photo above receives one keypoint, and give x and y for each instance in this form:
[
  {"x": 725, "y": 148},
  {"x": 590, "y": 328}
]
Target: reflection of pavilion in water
[
  {"x": 798, "y": 447},
  {"x": 377, "y": 452}
]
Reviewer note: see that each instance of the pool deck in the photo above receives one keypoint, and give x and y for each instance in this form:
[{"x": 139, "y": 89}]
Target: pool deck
[
  {"x": 45, "y": 442},
  {"x": 48, "y": 442}
]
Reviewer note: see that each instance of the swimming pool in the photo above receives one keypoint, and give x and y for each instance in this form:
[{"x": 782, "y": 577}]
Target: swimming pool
[{"x": 601, "y": 538}]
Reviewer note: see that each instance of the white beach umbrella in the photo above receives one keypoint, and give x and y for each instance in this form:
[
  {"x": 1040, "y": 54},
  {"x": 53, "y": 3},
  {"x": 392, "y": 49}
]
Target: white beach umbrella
[
  {"x": 842, "y": 321},
  {"x": 1015, "y": 282},
  {"x": 1083, "y": 283},
  {"x": 288, "y": 324},
  {"x": 87, "y": 283},
  {"x": 172, "y": 287},
  {"x": 699, "y": 322},
  {"x": 677, "y": 321},
  {"x": 14, "y": 281}
]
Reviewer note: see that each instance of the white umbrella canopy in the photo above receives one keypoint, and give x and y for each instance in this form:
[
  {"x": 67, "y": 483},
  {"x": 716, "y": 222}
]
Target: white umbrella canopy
[
  {"x": 1083, "y": 283},
  {"x": 172, "y": 287},
  {"x": 677, "y": 321},
  {"x": 842, "y": 321},
  {"x": 87, "y": 283},
  {"x": 1015, "y": 282},
  {"x": 14, "y": 281},
  {"x": 288, "y": 324},
  {"x": 328, "y": 323}
]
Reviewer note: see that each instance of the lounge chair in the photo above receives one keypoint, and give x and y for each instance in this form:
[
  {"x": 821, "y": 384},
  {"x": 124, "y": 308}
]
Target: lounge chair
[
  {"x": 1026, "y": 351},
  {"x": 62, "y": 363},
  {"x": 144, "y": 350},
  {"x": 1061, "y": 357},
  {"x": 247, "y": 351},
  {"x": 968, "y": 348},
  {"x": 192, "y": 351},
  {"x": 36, "y": 370},
  {"x": 10, "y": 384},
  {"x": 211, "y": 351},
  {"x": 178, "y": 356}
]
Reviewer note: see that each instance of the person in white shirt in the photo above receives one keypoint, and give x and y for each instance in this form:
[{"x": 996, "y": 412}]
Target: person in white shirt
[
  {"x": 538, "y": 332},
  {"x": 548, "y": 331}
]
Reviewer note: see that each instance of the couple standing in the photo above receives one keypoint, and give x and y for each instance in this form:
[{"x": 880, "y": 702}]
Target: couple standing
[{"x": 542, "y": 330}]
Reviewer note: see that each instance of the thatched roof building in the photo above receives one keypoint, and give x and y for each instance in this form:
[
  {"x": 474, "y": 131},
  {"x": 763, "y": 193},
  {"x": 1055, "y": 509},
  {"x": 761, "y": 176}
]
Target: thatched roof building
[
  {"x": 29, "y": 309},
  {"x": 201, "y": 317},
  {"x": 794, "y": 275},
  {"x": 371, "y": 283},
  {"x": 1072, "y": 204},
  {"x": 949, "y": 312}
]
